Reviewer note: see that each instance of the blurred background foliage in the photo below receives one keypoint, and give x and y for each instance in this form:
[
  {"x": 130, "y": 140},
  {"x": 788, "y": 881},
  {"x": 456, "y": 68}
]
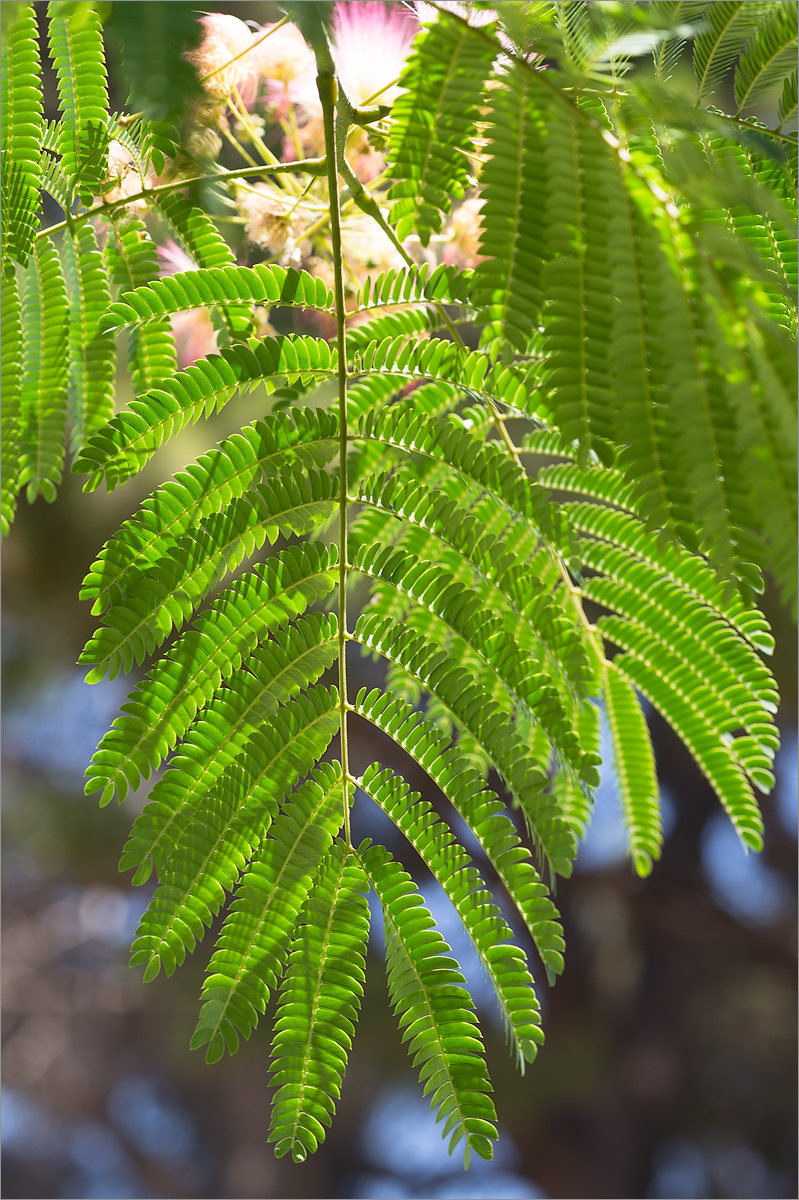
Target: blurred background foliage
[{"x": 669, "y": 1067}]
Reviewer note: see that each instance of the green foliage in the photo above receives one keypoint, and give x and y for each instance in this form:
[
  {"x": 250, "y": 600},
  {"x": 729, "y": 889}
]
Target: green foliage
[
  {"x": 76, "y": 46},
  {"x": 91, "y": 350},
  {"x": 22, "y": 130},
  {"x": 10, "y": 381},
  {"x": 216, "y": 286},
  {"x": 43, "y": 388},
  {"x": 132, "y": 262},
  {"x": 318, "y": 1007},
  {"x": 769, "y": 57},
  {"x": 573, "y": 518},
  {"x": 730, "y": 23},
  {"x": 163, "y": 85},
  {"x": 434, "y": 122}
]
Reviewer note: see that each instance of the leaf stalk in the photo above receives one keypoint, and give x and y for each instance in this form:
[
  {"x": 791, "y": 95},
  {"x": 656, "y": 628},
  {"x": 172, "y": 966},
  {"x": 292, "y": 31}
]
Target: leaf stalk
[{"x": 328, "y": 90}]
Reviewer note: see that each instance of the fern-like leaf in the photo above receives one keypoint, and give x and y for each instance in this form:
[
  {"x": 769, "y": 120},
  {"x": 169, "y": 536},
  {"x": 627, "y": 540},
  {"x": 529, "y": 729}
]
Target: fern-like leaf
[
  {"x": 163, "y": 84},
  {"x": 789, "y": 99},
  {"x": 412, "y": 284},
  {"x": 441, "y": 676},
  {"x": 91, "y": 351},
  {"x": 218, "y": 286},
  {"x": 160, "y": 710},
  {"x": 259, "y": 702},
  {"x": 22, "y": 132},
  {"x": 685, "y": 658},
  {"x": 265, "y": 450},
  {"x": 253, "y": 946},
  {"x": 434, "y": 122},
  {"x": 433, "y": 1008},
  {"x": 677, "y": 13},
  {"x": 132, "y": 437},
  {"x": 730, "y": 23},
  {"x": 319, "y": 1001},
  {"x": 482, "y": 812},
  {"x": 132, "y": 262},
  {"x": 508, "y": 284},
  {"x": 488, "y": 931},
  {"x": 43, "y": 392},
  {"x": 769, "y": 56},
  {"x": 10, "y": 412},
  {"x": 76, "y": 46},
  {"x": 635, "y": 769},
  {"x": 220, "y": 835},
  {"x": 163, "y": 595},
  {"x": 202, "y": 241}
]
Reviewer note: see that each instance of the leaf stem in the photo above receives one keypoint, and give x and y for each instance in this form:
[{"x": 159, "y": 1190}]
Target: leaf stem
[
  {"x": 326, "y": 84},
  {"x": 311, "y": 166}
]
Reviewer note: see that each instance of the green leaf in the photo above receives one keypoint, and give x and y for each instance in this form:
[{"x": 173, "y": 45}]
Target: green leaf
[
  {"x": 770, "y": 55},
  {"x": 264, "y": 449},
  {"x": 635, "y": 769},
  {"x": 218, "y": 286},
  {"x": 133, "y": 436},
  {"x": 254, "y": 943},
  {"x": 152, "y": 41},
  {"x": 480, "y": 809},
  {"x": 488, "y": 931},
  {"x": 729, "y": 24},
  {"x": 508, "y": 284},
  {"x": 10, "y": 411},
  {"x": 434, "y": 1009},
  {"x": 160, "y": 710},
  {"x": 219, "y": 835},
  {"x": 76, "y": 46},
  {"x": 319, "y": 1001},
  {"x": 433, "y": 124},
  {"x": 132, "y": 261},
  {"x": 91, "y": 351},
  {"x": 202, "y": 241},
  {"x": 43, "y": 391},
  {"x": 232, "y": 728},
  {"x": 22, "y": 131}
]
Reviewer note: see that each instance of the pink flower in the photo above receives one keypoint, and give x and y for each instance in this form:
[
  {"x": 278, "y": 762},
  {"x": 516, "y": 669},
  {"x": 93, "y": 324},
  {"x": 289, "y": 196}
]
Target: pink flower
[
  {"x": 194, "y": 333},
  {"x": 173, "y": 258},
  {"x": 366, "y": 162},
  {"x": 285, "y": 60},
  {"x": 372, "y": 40},
  {"x": 195, "y": 336}
]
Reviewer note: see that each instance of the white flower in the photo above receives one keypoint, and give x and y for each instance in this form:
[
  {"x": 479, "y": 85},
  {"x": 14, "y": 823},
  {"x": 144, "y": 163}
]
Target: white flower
[
  {"x": 225, "y": 38},
  {"x": 366, "y": 246},
  {"x": 282, "y": 54},
  {"x": 268, "y": 224},
  {"x": 123, "y": 171}
]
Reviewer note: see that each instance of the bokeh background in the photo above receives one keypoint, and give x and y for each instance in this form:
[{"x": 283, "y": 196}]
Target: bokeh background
[{"x": 670, "y": 1063}]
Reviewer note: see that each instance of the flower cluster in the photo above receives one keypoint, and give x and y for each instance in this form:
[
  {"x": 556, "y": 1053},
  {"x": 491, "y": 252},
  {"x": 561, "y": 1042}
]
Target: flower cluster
[{"x": 261, "y": 105}]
